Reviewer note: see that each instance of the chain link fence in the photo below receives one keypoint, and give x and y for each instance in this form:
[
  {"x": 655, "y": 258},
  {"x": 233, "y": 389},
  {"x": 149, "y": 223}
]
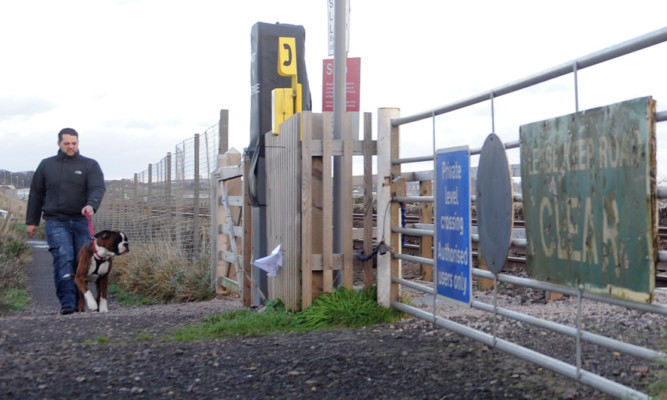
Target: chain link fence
[{"x": 170, "y": 200}]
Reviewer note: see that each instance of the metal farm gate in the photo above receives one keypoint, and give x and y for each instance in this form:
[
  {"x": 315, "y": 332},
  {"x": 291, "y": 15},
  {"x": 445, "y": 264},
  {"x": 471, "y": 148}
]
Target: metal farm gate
[{"x": 641, "y": 210}]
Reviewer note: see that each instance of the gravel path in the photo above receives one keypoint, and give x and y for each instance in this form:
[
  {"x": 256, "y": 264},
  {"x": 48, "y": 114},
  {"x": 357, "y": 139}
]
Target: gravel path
[{"x": 127, "y": 354}]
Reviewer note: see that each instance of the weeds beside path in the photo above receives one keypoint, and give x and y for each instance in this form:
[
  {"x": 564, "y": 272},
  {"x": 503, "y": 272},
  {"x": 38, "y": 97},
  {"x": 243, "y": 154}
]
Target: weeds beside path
[{"x": 130, "y": 353}]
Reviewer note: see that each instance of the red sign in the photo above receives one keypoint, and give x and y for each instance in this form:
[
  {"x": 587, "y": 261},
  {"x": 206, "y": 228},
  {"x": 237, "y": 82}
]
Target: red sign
[{"x": 353, "y": 76}]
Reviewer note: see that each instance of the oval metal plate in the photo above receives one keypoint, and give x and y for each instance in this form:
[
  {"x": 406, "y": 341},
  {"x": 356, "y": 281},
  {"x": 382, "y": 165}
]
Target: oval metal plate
[{"x": 495, "y": 213}]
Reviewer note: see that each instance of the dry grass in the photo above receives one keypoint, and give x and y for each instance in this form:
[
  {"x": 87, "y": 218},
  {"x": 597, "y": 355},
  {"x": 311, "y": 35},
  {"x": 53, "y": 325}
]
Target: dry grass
[
  {"x": 162, "y": 272},
  {"x": 14, "y": 256},
  {"x": 13, "y": 205},
  {"x": 16, "y": 209},
  {"x": 157, "y": 271}
]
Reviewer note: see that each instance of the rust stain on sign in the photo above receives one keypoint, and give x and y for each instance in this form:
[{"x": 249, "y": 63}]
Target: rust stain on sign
[{"x": 589, "y": 193}]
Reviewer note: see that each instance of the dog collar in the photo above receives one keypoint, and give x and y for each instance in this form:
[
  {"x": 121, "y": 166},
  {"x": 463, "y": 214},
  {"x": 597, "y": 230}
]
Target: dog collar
[{"x": 97, "y": 255}]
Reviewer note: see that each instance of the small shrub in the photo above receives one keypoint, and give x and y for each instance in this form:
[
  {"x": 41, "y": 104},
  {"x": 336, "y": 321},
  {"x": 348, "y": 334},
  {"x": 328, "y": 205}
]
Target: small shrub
[
  {"x": 15, "y": 248},
  {"x": 13, "y": 284},
  {"x": 346, "y": 308},
  {"x": 123, "y": 296},
  {"x": 162, "y": 273},
  {"x": 14, "y": 256},
  {"x": 342, "y": 308},
  {"x": 14, "y": 300},
  {"x": 659, "y": 388}
]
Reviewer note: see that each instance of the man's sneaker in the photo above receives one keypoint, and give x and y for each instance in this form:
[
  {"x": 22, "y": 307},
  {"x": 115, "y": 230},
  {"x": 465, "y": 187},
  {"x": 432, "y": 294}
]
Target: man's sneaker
[{"x": 66, "y": 310}]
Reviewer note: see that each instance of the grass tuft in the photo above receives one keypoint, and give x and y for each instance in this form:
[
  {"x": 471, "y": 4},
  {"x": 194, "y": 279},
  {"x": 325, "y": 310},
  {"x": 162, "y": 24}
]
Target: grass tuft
[
  {"x": 342, "y": 308},
  {"x": 346, "y": 308},
  {"x": 124, "y": 296},
  {"x": 658, "y": 389},
  {"x": 14, "y": 300},
  {"x": 159, "y": 273},
  {"x": 14, "y": 256}
]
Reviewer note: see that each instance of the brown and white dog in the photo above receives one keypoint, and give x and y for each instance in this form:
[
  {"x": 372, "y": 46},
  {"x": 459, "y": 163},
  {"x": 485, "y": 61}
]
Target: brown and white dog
[{"x": 94, "y": 264}]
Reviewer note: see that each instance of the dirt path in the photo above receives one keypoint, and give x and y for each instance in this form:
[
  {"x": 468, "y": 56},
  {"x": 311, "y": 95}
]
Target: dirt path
[
  {"x": 42, "y": 289},
  {"x": 127, "y": 353}
]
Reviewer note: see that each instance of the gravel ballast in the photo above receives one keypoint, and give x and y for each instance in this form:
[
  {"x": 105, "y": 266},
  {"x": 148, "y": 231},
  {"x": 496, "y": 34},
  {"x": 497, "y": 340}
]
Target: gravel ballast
[{"x": 127, "y": 353}]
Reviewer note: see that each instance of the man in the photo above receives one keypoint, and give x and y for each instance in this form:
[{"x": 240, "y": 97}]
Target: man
[{"x": 64, "y": 189}]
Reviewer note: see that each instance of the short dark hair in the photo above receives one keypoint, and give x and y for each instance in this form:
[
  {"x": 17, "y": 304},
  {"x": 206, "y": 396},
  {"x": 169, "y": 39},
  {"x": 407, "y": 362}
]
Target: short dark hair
[{"x": 66, "y": 131}]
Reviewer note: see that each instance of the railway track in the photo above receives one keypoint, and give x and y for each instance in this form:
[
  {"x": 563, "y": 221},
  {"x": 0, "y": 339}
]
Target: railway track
[
  {"x": 414, "y": 219},
  {"x": 516, "y": 255}
]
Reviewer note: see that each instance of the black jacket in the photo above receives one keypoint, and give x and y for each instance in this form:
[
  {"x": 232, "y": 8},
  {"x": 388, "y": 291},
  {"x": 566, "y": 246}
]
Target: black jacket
[{"x": 62, "y": 186}]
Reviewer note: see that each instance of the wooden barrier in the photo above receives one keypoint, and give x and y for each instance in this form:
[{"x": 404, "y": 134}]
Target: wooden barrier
[
  {"x": 300, "y": 205},
  {"x": 300, "y": 210}
]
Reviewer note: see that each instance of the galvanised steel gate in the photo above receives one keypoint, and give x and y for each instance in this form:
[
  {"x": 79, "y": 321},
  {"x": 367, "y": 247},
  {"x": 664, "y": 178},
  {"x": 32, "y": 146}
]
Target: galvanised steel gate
[{"x": 390, "y": 192}]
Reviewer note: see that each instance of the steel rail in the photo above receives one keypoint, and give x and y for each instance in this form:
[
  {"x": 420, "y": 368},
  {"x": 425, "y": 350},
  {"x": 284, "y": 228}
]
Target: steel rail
[
  {"x": 586, "y": 377},
  {"x": 531, "y": 283},
  {"x": 590, "y": 337},
  {"x": 609, "y": 53}
]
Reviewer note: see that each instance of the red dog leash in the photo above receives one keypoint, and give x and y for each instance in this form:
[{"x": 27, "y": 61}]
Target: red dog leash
[
  {"x": 90, "y": 226},
  {"x": 93, "y": 244}
]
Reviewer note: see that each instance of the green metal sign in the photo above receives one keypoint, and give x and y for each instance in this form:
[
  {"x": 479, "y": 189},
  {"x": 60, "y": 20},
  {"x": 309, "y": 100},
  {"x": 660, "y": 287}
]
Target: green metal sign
[{"x": 589, "y": 197}]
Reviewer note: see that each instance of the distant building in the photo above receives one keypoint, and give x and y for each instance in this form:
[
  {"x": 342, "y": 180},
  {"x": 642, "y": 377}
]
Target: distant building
[
  {"x": 23, "y": 194},
  {"x": 10, "y": 190}
]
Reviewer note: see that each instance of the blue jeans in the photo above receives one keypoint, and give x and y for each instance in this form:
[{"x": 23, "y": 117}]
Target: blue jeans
[{"x": 65, "y": 239}]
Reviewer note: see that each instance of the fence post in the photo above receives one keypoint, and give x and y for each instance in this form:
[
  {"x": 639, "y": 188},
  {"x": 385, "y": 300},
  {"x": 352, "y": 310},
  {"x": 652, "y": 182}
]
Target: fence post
[
  {"x": 180, "y": 201},
  {"x": 149, "y": 201},
  {"x": 426, "y": 217},
  {"x": 368, "y": 199},
  {"x": 169, "y": 202},
  {"x": 247, "y": 235},
  {"x": 385, "y": 149},
  {"x": 350, "y": 129},
  {"x": 137, "y": 198},
  {"x": 306, "y": 210},
  {"x": 195, "y": 210},
  {"x": 223, "y": 132},
  {"x": 327, "y": 205},
  {"x": 214, "y": 196}
]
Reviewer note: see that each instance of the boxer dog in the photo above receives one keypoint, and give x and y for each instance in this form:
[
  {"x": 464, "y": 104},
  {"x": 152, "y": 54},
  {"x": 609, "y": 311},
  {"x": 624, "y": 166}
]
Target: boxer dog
[{"x": 94, "y": 264}]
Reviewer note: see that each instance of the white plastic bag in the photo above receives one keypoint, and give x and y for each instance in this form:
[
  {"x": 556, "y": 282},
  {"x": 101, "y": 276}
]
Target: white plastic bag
[{"x": 271, "y": 263}]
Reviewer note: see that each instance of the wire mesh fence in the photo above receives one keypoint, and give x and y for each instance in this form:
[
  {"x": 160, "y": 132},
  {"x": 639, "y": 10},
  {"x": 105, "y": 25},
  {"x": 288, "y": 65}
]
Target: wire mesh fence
[{"x": 169, "y": 201}]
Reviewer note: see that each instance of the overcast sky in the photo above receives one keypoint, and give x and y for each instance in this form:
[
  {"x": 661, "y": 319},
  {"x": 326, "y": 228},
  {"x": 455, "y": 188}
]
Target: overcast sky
[{"x": 137, "y": 77}]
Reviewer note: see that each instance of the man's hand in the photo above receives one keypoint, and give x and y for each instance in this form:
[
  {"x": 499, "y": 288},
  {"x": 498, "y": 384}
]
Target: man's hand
[
  {"x": 88, "y": 210},
  {"x": 32, "y": 230}
]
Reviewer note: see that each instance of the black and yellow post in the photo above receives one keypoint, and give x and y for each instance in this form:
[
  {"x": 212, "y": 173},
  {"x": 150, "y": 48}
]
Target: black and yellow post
[{"x": 286, "y": 101}]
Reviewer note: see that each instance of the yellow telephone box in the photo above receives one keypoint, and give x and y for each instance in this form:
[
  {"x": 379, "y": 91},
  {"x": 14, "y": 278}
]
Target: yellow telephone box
[{"x": 285, "y": 102}]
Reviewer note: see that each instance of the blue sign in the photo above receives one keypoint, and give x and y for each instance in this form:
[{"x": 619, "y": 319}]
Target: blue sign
[{"x": 453, "y": 258}]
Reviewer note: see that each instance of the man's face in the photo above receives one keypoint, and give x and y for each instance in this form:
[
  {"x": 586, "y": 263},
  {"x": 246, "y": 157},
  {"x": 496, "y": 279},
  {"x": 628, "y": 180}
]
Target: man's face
[{"x": 69, "y": 145}]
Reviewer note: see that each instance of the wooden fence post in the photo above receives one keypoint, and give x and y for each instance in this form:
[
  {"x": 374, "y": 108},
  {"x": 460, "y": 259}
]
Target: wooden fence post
[
  {"x": 149, "y": 201},
  {"x": 306, "y": 210},
  {"x": 426, "y": 217},
  {"x": 224, "y": 243},
  {"x": 327, "y": 205},
  {"x": 223, "y": 132},
  {"x": 368, "y": 199},
  {"x": 247, "y": 236},
  {"x": 167, "y": 194},
  {"x": 195, "y": 208},
  {"x": 384, "y": 195},
  {"x": 350, "y": 125}
]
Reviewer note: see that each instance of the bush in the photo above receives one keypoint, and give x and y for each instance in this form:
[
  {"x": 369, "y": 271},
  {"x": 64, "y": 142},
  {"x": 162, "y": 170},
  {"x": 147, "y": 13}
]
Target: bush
[
  {"x": 346, "y": 308},
  {"x": 162, "y": 273},
  {"x": 340, "y": 309},
  {"x": 14, "y": 256}
]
